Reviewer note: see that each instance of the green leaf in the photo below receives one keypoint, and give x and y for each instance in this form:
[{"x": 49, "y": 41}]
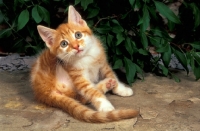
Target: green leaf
[
  {"x": 92, "y": 12},
  {"x": 117, "y": 29},
  {"x": 44, "y": 14},
  {"x": 166, "y": 12},
  {"x": 156, "y": 41},
  {"x": 144, "y": 40},
  {"x": 196, "y": 57},
  {"x": 115, "y": 22},
  {"x": 143, "y": 52},
  {"x": 137, "y": 5},
  {"x": 196, "y": 13},
  {"x": 140, "y": 22},
  {"x": 77, "y": 2},
  {"x": 103, "y": 29},
  {"x": 160, "y": 32},
  {"x": 110, "y": 39},
  {"x": 85, "y": 3},
  {"x": 166, "y": 56},
  {"x": 175, "y": 78},
  {"x": 139, "y": 70},
  {"x": 182, "y": 58},
  {"x": 23, "y": 19},
  {"x": 192, "y": 63},
  {"x": 145, "y": 18},
  {"x": 152, "y": 12},
  {"x": 118, "y": 63},
  {"x": 131, "y": 2},
  {"x": 36, "y": 15},
  {"x": 195, "y": 63},
  {"x": 5, "y": 33},
  {"x": 128, "y": 46},
  {"x": 165, "y": 71},
  {"x": 164, "y": 48},
  {"x": 130, "y": 70},
  {"x": 120, "y": 38},
  {"x": 197, "y": 72},
  {"x": 196, "y": 45}
]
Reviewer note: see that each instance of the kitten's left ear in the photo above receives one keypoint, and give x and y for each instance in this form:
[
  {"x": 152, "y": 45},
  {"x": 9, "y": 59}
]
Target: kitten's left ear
[{"x": 74, "y": 17}]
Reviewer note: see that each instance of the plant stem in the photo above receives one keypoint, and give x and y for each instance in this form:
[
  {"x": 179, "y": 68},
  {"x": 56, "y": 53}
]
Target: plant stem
[{"x": 108, "y": 17}]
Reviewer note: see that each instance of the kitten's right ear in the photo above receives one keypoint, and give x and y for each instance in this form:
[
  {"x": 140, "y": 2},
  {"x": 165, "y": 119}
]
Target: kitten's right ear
[
  {"x": 47, "y": 35},
  {"x": 74, "y": 17}
]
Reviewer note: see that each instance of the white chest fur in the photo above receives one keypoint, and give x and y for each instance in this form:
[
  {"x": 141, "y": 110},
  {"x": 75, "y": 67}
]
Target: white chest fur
[{"x": 90, "y": 70}]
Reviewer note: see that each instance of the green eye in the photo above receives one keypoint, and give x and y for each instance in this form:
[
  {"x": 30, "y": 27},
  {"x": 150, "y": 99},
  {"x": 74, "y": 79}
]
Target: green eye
[
  {"x": 78, "y": 35},
  {"x": 63, "y": 43}
]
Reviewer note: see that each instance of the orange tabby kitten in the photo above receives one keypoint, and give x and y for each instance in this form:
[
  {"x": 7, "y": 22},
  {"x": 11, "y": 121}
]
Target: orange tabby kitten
[{"x": 74, "y": 69}]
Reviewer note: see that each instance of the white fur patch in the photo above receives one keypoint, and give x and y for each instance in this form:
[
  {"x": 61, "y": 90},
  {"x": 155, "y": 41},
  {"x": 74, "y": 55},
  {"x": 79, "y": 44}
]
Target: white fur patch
[
  {"x": 105, "y": 105},
  {"x": 122, "y": 90}
]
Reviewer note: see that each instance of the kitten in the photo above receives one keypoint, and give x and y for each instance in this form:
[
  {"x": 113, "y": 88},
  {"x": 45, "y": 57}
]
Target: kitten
[{"x": 74, "y": 69}]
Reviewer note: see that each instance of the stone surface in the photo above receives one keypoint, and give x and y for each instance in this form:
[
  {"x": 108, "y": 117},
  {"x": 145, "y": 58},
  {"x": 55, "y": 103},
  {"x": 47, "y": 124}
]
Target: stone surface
[
  {"x": 148, "y": 113},
  {"x": 164, "y": 104},
  {"x": 15, "y": 62}
]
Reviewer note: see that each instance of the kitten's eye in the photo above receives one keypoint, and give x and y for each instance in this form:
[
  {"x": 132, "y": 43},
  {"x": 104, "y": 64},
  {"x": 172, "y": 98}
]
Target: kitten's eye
[
  {"x": 63, "y": 43},
  {"x": 78, "y": 35}
]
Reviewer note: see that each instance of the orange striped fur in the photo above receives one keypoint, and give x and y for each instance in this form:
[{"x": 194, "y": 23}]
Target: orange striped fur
[{"x": 73, "y": 70}]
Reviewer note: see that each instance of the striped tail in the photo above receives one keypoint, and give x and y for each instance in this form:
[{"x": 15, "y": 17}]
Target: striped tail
[{"x": 83, "y": 113}]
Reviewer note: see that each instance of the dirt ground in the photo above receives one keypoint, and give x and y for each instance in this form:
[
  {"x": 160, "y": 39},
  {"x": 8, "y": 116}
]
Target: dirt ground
[{"x": 164, "y": 106}]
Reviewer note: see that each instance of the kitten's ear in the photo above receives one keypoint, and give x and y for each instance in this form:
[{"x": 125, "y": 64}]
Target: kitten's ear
[
  {"x": 47, "y": 35},
  {"x": 74, "y": 17}
]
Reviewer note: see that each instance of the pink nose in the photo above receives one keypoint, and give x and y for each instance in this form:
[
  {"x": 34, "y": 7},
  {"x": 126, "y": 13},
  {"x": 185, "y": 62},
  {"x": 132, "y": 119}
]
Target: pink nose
[{"x": 75, "y": 46}]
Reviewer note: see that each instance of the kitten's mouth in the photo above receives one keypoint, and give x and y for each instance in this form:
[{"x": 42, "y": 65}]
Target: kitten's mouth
[{"x": 78, "y": 51}]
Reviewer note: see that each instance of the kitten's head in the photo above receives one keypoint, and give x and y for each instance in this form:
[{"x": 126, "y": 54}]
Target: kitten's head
[{"x": 71, "y": 39}]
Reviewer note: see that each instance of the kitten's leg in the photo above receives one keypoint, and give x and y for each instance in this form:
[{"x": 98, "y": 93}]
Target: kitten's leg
[
  {"x": 82, "y": 99},
  {"x": 120, "y": 89},
  {"x": 104, "y": 86},
  {"x": 85, "y": 88}
]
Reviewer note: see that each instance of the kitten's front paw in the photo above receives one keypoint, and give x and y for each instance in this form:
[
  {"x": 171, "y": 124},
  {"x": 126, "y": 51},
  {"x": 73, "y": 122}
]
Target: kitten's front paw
[
  {"x": 122, "y": 90},
  {"x": 111, "y": 83}
]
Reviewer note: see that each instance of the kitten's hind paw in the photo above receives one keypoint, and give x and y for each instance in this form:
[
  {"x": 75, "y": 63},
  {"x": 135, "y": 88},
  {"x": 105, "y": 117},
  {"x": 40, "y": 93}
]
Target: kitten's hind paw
[{"x": 106, "y": 106}]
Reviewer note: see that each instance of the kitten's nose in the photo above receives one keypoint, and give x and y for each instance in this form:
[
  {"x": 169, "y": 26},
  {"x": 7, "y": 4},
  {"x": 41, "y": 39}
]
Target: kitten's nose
[{"x": 75, "y": 46}]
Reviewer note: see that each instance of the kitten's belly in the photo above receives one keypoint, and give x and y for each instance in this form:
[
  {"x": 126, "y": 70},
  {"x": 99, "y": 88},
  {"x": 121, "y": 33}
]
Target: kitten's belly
[{"x": 63, "y": 79}]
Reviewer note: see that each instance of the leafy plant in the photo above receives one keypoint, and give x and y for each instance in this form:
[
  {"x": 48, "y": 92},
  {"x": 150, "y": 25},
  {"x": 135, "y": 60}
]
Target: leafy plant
[
  {"x": 129, "y": 29},
  {"x": 19, "y": 19}
]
